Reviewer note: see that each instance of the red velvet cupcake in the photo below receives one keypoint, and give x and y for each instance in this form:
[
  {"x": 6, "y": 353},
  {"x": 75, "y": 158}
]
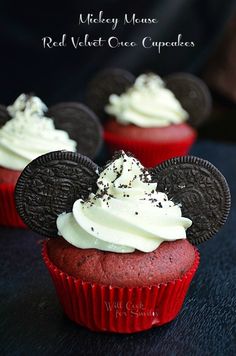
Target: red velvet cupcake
[
  {"x": 26, "y": 134},
  {"x": 29, "y": 130},
  {"x": 153, "y": 119},
  {"x": 123, "y": 263},
  {"x": 148, "y": 121}
]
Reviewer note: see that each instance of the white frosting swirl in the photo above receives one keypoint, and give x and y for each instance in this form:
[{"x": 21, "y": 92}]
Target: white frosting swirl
[
  {"x": 29, "y": 134},
  {"x": 148, "y": 103},
  {"x": 125, "y": 214}
]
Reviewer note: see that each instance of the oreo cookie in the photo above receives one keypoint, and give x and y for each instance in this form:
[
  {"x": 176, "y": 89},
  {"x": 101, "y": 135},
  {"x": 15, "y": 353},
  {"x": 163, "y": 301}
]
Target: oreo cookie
[
  {"x": 201, "y": 190},
  {"x": 107, "y": 82},
  {"x": 50, "y": 185},
  {"x": 80, "y": 123},
  {"x": 4, "y": 115},
  {"x": 193, "y": 95}
]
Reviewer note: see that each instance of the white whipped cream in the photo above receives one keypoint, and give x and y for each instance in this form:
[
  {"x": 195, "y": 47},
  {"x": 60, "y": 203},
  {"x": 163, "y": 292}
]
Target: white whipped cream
[
  {"x": 29, "y": 134},
  {"x": 125, "y": 214},
  {"x": 148, "y": 103}
]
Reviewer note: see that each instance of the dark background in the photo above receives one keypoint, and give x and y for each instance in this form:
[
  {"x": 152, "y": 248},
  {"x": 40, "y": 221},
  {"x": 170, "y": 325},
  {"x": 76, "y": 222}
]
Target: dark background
[{"x": 62, "y": 73}]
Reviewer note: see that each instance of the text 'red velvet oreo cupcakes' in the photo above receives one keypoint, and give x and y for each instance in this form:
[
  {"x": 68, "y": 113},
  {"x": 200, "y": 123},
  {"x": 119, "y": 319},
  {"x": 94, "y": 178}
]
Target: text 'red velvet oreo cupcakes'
[
  {"x": 146, "y": 117},
  {"x": 121, "y": 259},
  {"x": 27, "y": 130}
]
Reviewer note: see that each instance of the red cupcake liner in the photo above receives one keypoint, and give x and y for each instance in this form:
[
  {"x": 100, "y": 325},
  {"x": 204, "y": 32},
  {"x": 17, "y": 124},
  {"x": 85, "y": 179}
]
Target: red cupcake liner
[
  {"x": 8, "y": 213},
  {"x": 115, "y": 309},
  {"x": 149, "y": 153}
]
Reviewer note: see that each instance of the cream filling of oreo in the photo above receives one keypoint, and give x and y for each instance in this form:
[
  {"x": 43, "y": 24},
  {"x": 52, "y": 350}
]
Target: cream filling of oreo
[
  {"x": 30, "y": 134},
  {"x": 126, "y": 213},
  {"x": 148, "y": 103}
]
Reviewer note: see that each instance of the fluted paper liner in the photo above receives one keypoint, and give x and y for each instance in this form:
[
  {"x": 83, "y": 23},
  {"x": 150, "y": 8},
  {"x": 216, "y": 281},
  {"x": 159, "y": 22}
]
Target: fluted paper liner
[
  {"x": 148, "y": 153},
  {"x": 115, "y": 309},
  {"x": 8, "y": 213}
]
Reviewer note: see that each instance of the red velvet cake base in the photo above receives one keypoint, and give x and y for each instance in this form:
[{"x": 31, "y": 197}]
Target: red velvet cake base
[
  {"x": 169, "y": 261},
  {"x": 108, "y": 308}
]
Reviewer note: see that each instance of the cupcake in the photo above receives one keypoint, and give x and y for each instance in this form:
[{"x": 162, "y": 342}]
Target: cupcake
[
  {"x": 146, "y": 118},
  {"x": 121, "y": 260},
  {"x": 28, "y": 131}
]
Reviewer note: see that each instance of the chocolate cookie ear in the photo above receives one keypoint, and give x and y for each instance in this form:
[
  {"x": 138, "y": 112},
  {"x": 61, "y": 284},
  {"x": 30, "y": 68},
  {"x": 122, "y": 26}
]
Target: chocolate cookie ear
[
  {"x": 107, "y": 82},
  {"x": 4, "y": 115},
  {"x": 81, "y": 124},
  {"x": 193, "y": 95},
  {"x": 49, "y": 186},
  {"x": 201, "y": 190}
]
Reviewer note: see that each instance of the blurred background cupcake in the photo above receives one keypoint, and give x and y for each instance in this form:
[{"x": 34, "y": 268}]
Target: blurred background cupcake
[
  {"x": 148, "y": 121},
  {"x": 27, "y": 133}
]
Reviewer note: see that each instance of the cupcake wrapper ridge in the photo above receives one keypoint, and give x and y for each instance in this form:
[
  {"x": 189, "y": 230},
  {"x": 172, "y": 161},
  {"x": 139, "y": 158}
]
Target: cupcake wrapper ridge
[{"x": 115, "y": 309}]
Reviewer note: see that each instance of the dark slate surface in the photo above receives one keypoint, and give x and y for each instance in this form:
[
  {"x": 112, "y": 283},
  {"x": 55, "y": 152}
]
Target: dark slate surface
[{"x": 32, "y": 323}]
